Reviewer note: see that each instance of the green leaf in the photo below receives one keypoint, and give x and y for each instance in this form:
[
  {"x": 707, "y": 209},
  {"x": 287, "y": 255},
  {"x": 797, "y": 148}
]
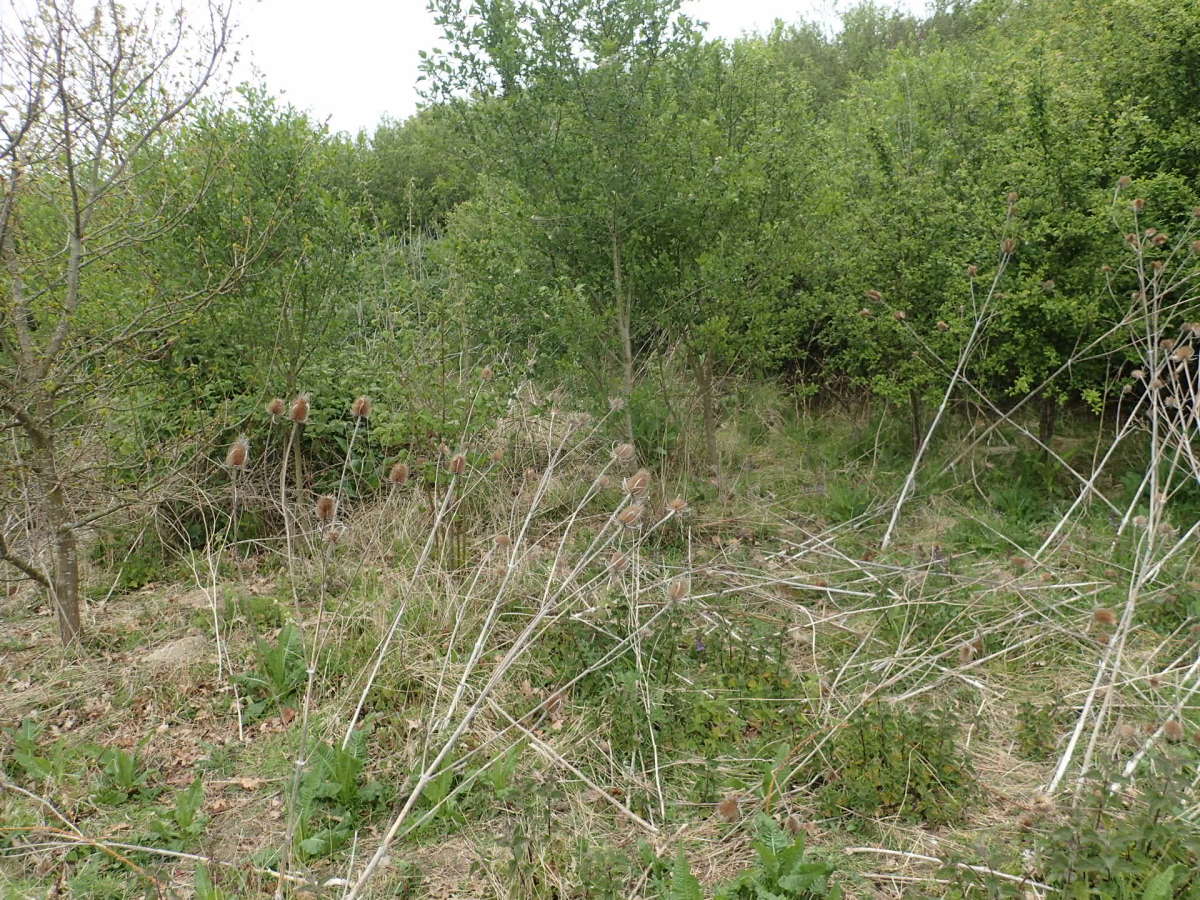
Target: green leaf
[
  {"x": 684, "y": 885},
  {"x": 1159, "y": 887}
]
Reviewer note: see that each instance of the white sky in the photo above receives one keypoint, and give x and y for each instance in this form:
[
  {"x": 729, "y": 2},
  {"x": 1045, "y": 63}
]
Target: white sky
[{"x": 353, "y": 61}]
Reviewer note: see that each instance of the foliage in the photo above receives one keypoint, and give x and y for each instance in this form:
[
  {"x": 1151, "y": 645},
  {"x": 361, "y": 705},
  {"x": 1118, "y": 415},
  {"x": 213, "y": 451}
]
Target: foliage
[
  {"x": 892, "y": 762},
  {"x": 783, "y": 872},
  {"x": 1120, "y": 846}
]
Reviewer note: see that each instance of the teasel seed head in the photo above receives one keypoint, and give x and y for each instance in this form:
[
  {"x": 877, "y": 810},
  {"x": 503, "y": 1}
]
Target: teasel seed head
[
  {"x": 942, "y": 325},
  {"x": 1138, "y": 374},
  {"x": 727, "y": 809},
  {"x": 873, "y": 295},
  {"x": 1157, "y": 384},
  {"x": 1196, "y": 247},
  {"x": 1048, "y": 284},
  {"x": 1124, "y": 181},
  {"x": 1126, "y": 731},
  {"x": 1184, "y": 353},
  {"x": 276, "y": 407},
  {"x": 1008, "y": 246},
  {"x": 1167, "y": 344},
  {"x": 616, "y": 404},
  {"x": 637, "y": 483},
  {"x": 398, "y": 473},
  {"x": 1131, "y": 239},
  {"x": 899, "y": 315},
  {"x": 326, "y": 508},
  {"x": 1160, "y": 240},
  {"x": 972, "y": 270},
  {"x": 503, "y": 541},
  {"x": 1012, "y": 197},
  {"x": 458, "y": 464},
  {"x": 966, "y": 653},
  {"x": 677, "y": 505},
  {"x": 865, "y": 313},
  {"x": 1140, "y": 521},
  {"x": 1105, "y": 617},
  {"x": 678, "y": 589},
  {"x": 239, "y": 453},
  {"x": 1172, "y": 730},
  {"x": 1042, "y": 803},
  {"x": 618, "y": 561},
  {"x": 486, "y": 373},
  {"x": 1193, "y": 327},
  {"x": 361, "y": 407},
  {"x": 624, "y": 452},
  {"x": 334, "y": 533},
  {"x": 631, "y": 515},
  {"x": 1138, "y": 204},
  {"x": 1106, "y": 268},
  {"x": 299, "y": 411},
  {"x": 1157, "y": 265}
]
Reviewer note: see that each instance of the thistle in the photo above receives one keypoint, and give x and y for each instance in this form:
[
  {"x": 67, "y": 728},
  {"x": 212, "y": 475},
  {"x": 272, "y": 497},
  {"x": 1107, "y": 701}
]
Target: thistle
[{"x": 239, "y": 453}]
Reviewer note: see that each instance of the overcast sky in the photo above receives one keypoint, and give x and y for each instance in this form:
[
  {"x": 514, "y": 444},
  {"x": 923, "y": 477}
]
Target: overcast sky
[{"x": 354, "y": 61}]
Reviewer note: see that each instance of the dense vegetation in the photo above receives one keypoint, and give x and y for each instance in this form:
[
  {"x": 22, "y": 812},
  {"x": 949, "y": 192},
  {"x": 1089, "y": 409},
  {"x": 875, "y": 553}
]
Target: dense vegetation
[{"x": 661, "y": 467}]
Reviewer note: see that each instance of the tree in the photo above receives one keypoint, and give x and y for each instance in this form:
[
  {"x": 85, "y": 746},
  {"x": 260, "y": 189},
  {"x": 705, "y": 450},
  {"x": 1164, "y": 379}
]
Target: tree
[{"x": 91, "y": 104}]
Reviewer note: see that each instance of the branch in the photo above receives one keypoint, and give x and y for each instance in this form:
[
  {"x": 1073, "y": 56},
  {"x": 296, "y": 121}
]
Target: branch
[{"x": 6, "y": 555}]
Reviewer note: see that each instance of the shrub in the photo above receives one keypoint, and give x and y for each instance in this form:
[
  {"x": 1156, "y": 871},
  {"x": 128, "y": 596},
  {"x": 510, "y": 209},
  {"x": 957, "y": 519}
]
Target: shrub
[{"x": 887, "y": 761}]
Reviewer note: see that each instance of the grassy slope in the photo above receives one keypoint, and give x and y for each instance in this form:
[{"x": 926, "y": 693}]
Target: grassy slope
[{"x": 756, "y": 653}]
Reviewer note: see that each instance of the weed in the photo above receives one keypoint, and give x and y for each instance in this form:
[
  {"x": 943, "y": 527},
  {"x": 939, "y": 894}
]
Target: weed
[{"x": 888, "y": 761}]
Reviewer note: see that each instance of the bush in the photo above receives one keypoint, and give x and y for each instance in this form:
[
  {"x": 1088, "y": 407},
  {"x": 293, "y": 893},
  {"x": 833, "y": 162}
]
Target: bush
[{"x": 890, "y": 762}]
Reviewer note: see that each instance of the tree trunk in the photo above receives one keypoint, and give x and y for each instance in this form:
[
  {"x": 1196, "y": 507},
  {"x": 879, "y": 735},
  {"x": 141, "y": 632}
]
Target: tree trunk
[
  {"x": 708, "y": 407},
  {"x": 1047, "y": 423},
  {"x": 917, "y": 417},
  {"x": 64, "y": 580},
  {"x": 624, "y": 332}
]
